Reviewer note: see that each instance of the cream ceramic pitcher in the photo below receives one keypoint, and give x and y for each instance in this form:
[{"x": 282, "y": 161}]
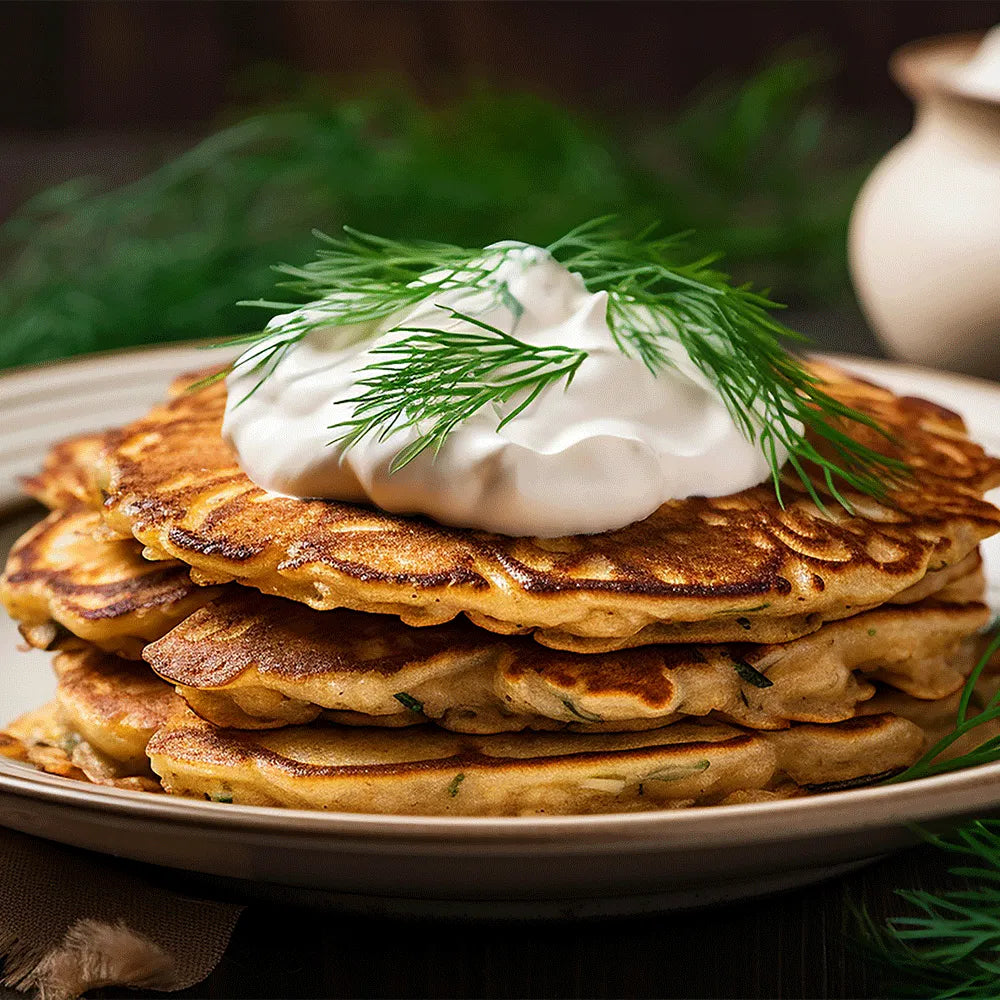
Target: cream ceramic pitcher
[{"x": 925, "y": 233}]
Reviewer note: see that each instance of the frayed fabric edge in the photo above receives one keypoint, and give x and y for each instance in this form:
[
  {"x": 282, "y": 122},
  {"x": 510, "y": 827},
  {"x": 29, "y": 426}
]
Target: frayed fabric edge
[{"x": 92, "y": 954}]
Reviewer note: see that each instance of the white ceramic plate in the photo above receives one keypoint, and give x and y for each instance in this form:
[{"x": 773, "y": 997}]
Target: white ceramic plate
[{"x": 502, "y": 867}]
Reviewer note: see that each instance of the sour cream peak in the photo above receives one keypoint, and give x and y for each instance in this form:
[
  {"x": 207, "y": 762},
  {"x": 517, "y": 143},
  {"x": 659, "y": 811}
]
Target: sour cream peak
[{"x": 598, "y": 454}]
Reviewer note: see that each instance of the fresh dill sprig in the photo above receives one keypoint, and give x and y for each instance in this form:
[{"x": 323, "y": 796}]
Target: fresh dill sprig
[
  {"x": 987, "y": 752},
  {"x": 408, "y": 701},
  {"x": 657, "y": 300},
  {"x": 654, "y": 297},
  {"x": 361, "y": 277},
  {"x": 752, "y": 675},
  {"x": 949, "y": 949},
  {"x": 435, "y": 379}
]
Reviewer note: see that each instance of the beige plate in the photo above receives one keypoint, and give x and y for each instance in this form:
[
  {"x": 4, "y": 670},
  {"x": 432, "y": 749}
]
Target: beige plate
[{"x": 566, "y": 866}]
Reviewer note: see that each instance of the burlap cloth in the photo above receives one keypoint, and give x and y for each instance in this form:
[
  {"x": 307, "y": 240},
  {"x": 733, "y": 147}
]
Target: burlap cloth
[{"x": 72, "y": 921}]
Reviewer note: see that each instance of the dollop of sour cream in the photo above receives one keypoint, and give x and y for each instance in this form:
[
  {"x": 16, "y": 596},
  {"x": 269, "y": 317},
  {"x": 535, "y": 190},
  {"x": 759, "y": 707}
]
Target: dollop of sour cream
[{"x": 598, "y": 454}]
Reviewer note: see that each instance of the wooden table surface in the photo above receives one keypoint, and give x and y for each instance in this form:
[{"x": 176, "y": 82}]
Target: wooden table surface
[
  {"x": 795, "y": 945},
  {"x": 790, "y": 946}
]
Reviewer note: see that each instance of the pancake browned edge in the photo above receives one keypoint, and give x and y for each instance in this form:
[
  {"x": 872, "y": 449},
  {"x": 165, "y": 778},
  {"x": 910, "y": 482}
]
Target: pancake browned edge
[
  {"x": 105, "y": 711},
  {"x": 67, "y": 477},
  {"x": 63, "y": 584},
  {"x": 735, "y": 568},
  {"x": 428, "y": 771},
  {"x": 251, "y": 662}
]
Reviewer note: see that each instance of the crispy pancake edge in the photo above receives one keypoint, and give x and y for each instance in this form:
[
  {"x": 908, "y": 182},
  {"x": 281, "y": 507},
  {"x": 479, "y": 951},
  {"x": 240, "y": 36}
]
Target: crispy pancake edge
[{"x": 173, "y": 483}]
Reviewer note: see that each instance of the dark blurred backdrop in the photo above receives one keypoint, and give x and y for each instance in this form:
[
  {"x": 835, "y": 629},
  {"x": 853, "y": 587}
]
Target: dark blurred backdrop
[
  {"x": 116, "y": 65},
  {"x": 750, "y": 124},
  {"x": 165, "y": 68}
]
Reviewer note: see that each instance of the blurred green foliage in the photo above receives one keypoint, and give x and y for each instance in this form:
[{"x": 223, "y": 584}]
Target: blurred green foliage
[
  {"x": 761, "y": 170},
  {"x": 766, "y": 173}
]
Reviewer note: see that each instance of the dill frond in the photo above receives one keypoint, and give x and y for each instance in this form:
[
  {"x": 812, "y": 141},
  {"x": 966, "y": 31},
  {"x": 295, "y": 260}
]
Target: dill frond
[{"x": 655, "y": 296}]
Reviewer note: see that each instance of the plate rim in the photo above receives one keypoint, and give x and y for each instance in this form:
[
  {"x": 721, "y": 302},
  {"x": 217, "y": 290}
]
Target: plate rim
[
  {"x": 40, "y": 367},
  {"x": 922, "y": 800}
]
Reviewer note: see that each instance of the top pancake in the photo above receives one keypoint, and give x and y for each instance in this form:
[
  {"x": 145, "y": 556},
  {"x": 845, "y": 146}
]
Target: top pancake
[
  {"x": 734, "y": 568},
  {"x": 67, "y": 478}
]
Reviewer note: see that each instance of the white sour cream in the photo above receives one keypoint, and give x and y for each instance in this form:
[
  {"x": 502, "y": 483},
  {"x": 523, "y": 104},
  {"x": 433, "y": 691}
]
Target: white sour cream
[{"x": 600, "y": 454}]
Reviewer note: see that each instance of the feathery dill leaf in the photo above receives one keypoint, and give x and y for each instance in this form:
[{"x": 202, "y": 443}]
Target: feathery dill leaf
[
  {"x": 949, "y": 947},
  {"x": 435, "y": 379},
  {"x": 657, "y": 297},
  {"x": 360, "y": 277},
  {"x": 987, "y": 752}
]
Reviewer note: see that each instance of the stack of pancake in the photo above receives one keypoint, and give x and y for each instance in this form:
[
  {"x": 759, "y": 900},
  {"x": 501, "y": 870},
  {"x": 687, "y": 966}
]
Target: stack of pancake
[{"x": 222, "y": 642}]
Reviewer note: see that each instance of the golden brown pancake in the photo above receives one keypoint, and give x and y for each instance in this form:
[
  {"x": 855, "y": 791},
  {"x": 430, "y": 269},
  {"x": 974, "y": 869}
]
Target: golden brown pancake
[
  {"x": 50, "y": 586},
  {"x": 116, "y": 705},
  {"x": 937, "y": 718},
  {"x": 253, "y": 661},
  {"x": 105, "y": 712},
  {"x": 249, "y": 661},
  {"x": 64, "y": 584},
  {"x": 109, "y": 711},
  {"x": 41, "y": 737},
  {"x": 11, "y": 747},
  {"x": 67, "y": 478},
  {"x": 428, "y": 771},
  {"x": 742, "y": 567},
  {"x": 956, "y": 583}
]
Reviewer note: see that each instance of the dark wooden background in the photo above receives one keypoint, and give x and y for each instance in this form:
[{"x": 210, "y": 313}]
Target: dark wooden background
[
  {"x": 149, "y": 64},
  {"x": 114, "y": 88},
  {"x": 797, "y": 946}
]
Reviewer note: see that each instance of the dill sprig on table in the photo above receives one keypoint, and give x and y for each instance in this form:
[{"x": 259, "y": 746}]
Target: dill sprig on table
[
  {"x": 433, "y": 380},
  {"x": 949, "y": 948}
]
